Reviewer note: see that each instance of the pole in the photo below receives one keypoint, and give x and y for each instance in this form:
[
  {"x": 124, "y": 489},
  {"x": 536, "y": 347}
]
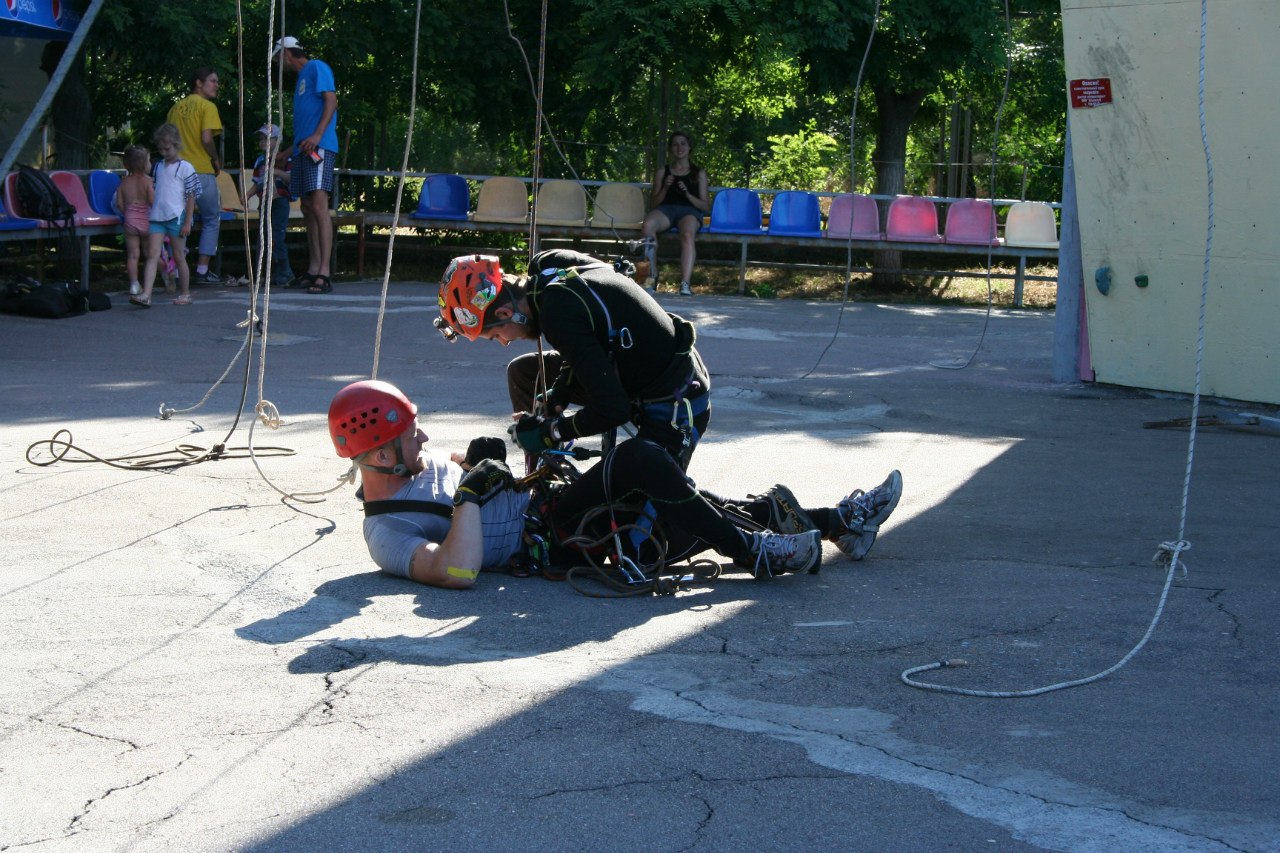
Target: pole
[
  {"x": 55, "y": 83},
  {"x": 1066, "y": 312}
]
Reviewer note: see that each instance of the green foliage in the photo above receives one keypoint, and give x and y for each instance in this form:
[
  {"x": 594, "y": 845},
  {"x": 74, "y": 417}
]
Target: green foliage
[
  {"x": 765, "y": 87},
  {"x": 807, "y": 160}
]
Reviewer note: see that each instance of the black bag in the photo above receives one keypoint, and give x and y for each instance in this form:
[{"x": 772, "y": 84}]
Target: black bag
[
  {"x": 41, "y": 198},
  {"x": 29, "y": 298}
]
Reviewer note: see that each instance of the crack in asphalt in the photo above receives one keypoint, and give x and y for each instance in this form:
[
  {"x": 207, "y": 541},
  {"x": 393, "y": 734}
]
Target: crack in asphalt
[
  {"x": 1075, "y": 816},
  {"x": 71, "y": 828}
]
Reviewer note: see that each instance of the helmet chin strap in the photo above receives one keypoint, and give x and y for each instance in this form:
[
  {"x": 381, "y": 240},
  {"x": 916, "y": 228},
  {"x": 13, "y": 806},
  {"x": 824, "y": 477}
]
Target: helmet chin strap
[{"x": 399, "y": 470}]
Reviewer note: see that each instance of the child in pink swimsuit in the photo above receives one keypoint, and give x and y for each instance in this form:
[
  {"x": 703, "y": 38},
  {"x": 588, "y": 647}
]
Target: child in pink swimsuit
[{"x": 134, "y": 198}]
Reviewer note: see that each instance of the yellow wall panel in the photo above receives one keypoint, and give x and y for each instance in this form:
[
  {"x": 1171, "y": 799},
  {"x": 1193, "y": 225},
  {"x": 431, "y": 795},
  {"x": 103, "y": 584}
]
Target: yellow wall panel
[{"x": 1142, "y": 191}]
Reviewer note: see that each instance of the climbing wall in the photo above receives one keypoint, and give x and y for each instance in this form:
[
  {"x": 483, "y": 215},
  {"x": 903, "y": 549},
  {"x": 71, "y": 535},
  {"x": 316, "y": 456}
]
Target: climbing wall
[{"x": 1141, "y": 183}]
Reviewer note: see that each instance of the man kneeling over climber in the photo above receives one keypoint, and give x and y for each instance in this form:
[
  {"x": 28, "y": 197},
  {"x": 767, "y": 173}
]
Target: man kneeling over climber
[{"x": 441, "y": 521}]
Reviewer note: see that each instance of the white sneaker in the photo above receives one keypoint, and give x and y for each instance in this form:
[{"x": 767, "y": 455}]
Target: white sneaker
[
  {"x": 134, "y": 288},
  {"x": 862, "y": 513},
  {"x": 780, "y": 553},
  {"x": 651, "y": 285},
  {"x": 685, "y": 289}
]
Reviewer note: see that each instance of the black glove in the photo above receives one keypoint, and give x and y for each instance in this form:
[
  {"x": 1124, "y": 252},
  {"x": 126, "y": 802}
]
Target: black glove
[
  {"x": 556, "y": 397},
  {"x": 485, "y": 447},
  {"x": 532, "y": 433},
  {"x": 481, "y": 483}
]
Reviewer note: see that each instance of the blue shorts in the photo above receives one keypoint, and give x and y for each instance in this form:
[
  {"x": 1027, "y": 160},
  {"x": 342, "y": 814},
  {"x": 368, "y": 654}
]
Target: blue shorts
[
  {"x": 676, "y": 212},
  {"x": 308, "y": 176},
  {"x": 171, "y": 227}
]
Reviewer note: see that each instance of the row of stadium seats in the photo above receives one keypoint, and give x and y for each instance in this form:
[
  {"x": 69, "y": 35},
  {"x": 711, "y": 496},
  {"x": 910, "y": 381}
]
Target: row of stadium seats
[
  {"x": 96, "y": 206},
  {"x": 909, "y": 219}
]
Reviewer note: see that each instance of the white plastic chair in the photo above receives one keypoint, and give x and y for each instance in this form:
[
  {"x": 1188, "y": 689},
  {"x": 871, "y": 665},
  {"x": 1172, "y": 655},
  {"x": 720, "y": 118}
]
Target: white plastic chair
[
  {"x": 502, "y": 200},
  {"x": 618, "y": 206},
  {"x": 1031, "y": 224},
  {"x": 562, "y": 203}
]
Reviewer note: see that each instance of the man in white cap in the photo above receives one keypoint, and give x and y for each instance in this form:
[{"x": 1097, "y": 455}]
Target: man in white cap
[{"x": 315, "y": 146}]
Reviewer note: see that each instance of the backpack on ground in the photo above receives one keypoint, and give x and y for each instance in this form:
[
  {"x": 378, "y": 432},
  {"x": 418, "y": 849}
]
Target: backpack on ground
[
  {"x": 41, "y": 198},
  {"x": 30, "y": 298}
]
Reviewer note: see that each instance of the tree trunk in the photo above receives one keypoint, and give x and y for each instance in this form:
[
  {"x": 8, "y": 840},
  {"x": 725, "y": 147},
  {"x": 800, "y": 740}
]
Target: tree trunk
[
  {"x": 896, "y": 110},
  {"x": 71, "y": 112}
]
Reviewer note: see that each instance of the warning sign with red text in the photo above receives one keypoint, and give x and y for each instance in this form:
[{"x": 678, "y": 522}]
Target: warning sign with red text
[{"x": 1090, "y": 93}]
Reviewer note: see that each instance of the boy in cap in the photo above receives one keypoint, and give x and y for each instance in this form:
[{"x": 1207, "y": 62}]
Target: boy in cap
[{"x": 269, "y": 142}]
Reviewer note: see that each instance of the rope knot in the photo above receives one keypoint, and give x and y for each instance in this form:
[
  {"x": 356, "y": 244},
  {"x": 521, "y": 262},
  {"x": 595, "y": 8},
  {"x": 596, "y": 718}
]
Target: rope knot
[
  {"x": 268, "y": 414},
  {"x": 1167, "y": 554}
]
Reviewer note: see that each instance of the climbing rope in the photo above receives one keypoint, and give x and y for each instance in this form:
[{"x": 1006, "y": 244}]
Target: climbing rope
[
  {"x": 181, "y": 456},
  {"x": 1168, "y": 552},
  {"x": 995, "y": 153},
  {"x": 541, "y": 122},
  {"x": 853, "y": 188},
  {"x": 404, "y": 168}
]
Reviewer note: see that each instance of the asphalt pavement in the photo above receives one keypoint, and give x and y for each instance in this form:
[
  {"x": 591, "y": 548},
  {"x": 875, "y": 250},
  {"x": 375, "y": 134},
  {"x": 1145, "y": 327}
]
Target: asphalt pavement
[{"x": 193, "y": 662}]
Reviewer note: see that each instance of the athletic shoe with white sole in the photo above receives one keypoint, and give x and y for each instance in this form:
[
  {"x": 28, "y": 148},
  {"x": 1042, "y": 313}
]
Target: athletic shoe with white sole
[
  {"x": 862, "y": 513},
  {"x": 781, "y": 553},
  {"x": 207, "y": 279}
]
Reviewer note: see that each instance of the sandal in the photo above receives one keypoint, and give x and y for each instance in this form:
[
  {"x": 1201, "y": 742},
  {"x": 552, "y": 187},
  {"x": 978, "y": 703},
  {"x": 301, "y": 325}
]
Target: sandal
[
  {"x": 182, "y": 300},
  {"x": 140, "y": 301},
  {"x": 304, "y": 279},
  {"x": 320, "y": 284}
]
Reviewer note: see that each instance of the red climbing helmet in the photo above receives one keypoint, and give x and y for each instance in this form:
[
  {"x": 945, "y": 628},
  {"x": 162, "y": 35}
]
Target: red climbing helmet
[
  {"x": 470, "y": 285},
  {"x": 368, "y": 414}
]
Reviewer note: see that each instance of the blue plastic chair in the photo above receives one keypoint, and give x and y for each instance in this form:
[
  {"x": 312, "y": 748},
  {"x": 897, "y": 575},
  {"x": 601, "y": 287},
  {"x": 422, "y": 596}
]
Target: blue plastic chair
[
  {"x": 102, "y": 192},
  {"x": 795, "y": 214},
  {"x": 736, "y": 211},
  {"x": 443, "y": 197},
  {"x": 14, "y": 223}
]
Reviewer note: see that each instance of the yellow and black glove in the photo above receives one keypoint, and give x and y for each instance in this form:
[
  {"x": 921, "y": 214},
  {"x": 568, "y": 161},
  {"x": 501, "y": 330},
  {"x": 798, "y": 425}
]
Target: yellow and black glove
[{"x": 482, "y": 483}]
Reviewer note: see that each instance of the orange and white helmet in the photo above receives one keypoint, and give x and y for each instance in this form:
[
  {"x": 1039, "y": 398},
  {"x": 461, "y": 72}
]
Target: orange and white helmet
[
  {"x": 368, "y": 414},
  {"x": 470, "y": 285}
]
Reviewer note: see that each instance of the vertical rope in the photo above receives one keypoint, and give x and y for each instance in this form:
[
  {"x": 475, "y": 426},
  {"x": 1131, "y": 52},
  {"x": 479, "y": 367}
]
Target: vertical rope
[
  {"x": 853, "y": 188},
  {"x": 404, "y": 167},
  {"x": 1169, "y": 552},
  {"x": 537, "y": 134},
  {"x": 995, "y": 150}
]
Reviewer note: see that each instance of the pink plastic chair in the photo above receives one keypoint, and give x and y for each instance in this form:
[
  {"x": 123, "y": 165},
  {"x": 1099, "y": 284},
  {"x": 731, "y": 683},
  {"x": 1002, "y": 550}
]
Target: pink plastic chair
[
  {"x": 73, "y": 189},
  {"x": 971, "y": 221},
  {"x": 854, "y": 216},
  {"x": 912, "y": 220}
]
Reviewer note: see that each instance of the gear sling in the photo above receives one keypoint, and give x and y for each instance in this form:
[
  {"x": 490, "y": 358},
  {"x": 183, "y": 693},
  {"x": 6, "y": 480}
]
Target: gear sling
[{"x": 675, "y": 414}]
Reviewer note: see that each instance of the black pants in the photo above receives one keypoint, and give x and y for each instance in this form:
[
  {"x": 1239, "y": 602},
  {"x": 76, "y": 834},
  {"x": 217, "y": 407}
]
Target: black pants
[{"x": 637, "y": 472}]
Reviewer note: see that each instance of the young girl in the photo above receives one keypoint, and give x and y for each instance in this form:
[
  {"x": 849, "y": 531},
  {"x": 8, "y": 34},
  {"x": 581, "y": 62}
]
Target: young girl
[
  {"x": 134, "y": 197},
  {"x": 175, "y": 201}
]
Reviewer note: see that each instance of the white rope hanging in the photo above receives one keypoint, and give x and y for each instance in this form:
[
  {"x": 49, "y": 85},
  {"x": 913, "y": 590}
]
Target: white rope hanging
[{"x": 1168, "y": 552}]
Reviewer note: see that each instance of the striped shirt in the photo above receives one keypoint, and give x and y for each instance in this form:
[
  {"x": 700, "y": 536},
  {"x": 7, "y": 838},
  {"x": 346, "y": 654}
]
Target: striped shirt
[{"x": 174, "y": 182}]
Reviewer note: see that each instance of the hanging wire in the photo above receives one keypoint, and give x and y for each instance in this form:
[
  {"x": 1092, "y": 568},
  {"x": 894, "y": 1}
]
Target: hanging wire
[{"x": 1169, "y": 552}]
